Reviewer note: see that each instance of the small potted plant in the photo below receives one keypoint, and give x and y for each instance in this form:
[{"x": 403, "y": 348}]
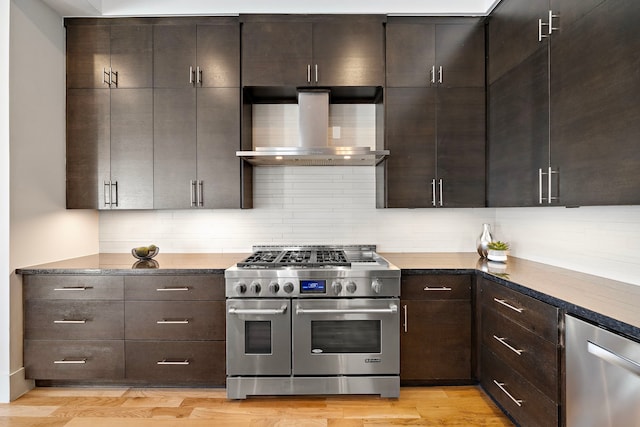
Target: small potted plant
[{"x": 497, "y": 251}]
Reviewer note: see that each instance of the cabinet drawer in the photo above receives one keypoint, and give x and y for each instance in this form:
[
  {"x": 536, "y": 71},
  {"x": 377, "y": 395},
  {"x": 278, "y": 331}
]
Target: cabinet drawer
[
  {"x": 436, "y": 287},
  {"x": 73, "y": 287},
  {"x": 532, "y": 409},
  {"x": 175, "y": 320},
  {"x": 176, "y": 362},
  {"x": 537, "y": 316},
  {"x": 69, "y": 320},
  {"x": 73, "y": 360},
  {"x": 534, "y": 358},
  {"x": 164, "y": 288}
]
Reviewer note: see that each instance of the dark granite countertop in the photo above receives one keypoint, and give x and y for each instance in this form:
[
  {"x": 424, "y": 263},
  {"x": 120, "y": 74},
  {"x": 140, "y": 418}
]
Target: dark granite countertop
[{"x": 609, "y": 303}]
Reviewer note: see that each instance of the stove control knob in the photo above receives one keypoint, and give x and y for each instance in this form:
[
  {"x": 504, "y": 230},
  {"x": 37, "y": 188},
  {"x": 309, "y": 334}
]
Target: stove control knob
[
  {"x": 274, "y": 287},
  {"x": 288, "y": 287},
  {"x": 337, "y": 287},
  {"x": 255, "y": 287},
  {"x": 351, "y": 287},
  {"x": 240, "y": 288},
  {"x": 376, "y": 286}
]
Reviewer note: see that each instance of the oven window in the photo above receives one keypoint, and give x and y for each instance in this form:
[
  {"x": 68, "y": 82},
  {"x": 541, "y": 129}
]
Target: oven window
[
  {"x": 345, "y": 336},
  {"x": 257, "y": 337}
]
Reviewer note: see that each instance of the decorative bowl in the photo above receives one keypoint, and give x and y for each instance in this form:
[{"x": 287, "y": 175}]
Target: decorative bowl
[{"x": 150, "y": 255}]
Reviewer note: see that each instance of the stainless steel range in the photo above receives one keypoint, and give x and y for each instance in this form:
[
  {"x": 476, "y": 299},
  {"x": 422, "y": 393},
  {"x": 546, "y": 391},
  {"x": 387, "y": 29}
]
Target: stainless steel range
[{"x": 313, "y": 320}]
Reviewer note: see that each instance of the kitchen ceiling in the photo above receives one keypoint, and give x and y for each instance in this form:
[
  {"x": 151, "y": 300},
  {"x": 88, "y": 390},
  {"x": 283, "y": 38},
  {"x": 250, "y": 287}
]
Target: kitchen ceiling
[{"x": 225, "y": 7}]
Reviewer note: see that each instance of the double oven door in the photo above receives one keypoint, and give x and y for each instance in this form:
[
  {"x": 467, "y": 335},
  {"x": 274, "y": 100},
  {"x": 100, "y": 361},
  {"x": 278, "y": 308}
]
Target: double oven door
[{"x": 309, "y": 336}]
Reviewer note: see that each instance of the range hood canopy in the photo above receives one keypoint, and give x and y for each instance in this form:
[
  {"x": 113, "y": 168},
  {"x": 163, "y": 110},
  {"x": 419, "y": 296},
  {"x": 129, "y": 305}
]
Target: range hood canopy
[{"x": 313, "y": 148}]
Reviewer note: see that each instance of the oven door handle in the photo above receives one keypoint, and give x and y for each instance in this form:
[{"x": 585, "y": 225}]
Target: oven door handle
[
  {"x": 392, "y": 309},
  {"x": 281, "y": 310}
]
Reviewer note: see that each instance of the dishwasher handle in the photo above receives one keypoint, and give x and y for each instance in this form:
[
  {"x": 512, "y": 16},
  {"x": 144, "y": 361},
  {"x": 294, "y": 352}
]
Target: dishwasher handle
[{"x": 613, "y": 358}]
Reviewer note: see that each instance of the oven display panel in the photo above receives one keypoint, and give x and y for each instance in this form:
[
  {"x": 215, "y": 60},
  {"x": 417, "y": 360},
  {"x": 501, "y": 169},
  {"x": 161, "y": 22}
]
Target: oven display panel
[{"x": 313, "y": 286}]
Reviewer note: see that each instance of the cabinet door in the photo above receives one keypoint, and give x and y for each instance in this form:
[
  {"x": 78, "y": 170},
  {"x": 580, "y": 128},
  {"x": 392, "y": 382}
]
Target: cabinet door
[
  {"x": 275, "y": 53},
  {"x": 174, "y": 56},
  {"x": 88, "y": 51},
  {"x": 218, "y": 136},
  {"x": 410, "y": 137},
  {"x": 132, "y": 147},
  {"x": 218, "y": 55},
  {"x": 410, "y": 53},
  {"x": 518, "y": 128},
  {"x": 174, "y": 152},
  {"x": 349, "y": 52},
  {"x": 131, "y": 55},
  {"x": 460, "y": 52},
  {"x": 513, "y": 34},
  {"x": 594, "y": 106},
  {"x": 436, "y": 344},
  {"x": 88, "y": 154},
  {"x": 461, "y": 146}
]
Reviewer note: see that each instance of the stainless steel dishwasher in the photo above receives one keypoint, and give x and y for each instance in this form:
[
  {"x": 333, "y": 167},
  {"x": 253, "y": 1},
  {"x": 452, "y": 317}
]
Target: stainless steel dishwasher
[{"x": 603, "y": 377}]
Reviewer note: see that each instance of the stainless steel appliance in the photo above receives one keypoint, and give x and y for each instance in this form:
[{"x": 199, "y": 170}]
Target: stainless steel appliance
[
  {"x": 313, "y": 320},
  {"x": 603, "y": 377}
]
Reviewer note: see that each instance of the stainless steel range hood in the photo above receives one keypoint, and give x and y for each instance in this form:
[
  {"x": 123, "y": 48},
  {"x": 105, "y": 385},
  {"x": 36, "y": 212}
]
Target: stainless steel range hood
[{"x": 313, "y": 148}]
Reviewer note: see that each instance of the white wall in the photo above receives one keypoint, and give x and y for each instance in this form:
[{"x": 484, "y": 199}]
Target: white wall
[
  {"x": 4, "y": 205},
  {"x": 41, "y": 229}
]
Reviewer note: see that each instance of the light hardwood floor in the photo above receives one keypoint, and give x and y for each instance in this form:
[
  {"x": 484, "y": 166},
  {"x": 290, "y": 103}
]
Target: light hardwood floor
[{"x": 168, "y": 407}]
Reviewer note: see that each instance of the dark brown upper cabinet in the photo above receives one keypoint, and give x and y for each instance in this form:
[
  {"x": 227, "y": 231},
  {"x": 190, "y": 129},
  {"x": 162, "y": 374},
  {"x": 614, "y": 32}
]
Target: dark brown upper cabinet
[
  {"x": 196, "y": 114},
  {"x": 435, "y": 113},
  {"x": 101, "y": 54},
  {"x": 292, "y": 51},
  {"x": 109, "y": 114},
  {"x": 559, "y": 123}
]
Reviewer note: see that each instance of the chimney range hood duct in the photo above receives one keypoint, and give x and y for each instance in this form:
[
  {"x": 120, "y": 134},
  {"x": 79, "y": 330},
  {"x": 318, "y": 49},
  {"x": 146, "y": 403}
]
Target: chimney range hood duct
[{"x": 313, "y": 148}]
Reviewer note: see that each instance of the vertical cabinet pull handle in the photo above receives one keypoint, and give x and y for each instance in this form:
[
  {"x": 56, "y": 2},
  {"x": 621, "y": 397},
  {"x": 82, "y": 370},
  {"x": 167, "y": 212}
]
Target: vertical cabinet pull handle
[
  {"x": 191, "y": 75},
  {"x": 308, "y": 73},
  {"x": 114, "y": 185},
  {"x": 198, "y": 75},
  {"x": 440, "y": 195},
  {"x": 440, "y": 75},
  {"x": 551, "y": 27},
  {"x": 106, "y": 77},
  {"x": 114, "y": 80},
  {"x": 316, "y": 67},
  {"x": 432, "y": 74},
  {"x": 107, "y": 193},
  {"x": 193, "y": 193},
  {"x": 540, "y": 34},
  {"x": 201, "y": 193},
  {"x": 405, "y": 310},
  {"x": 433, "y": 192},
  {"x": 540, "y": 198}
]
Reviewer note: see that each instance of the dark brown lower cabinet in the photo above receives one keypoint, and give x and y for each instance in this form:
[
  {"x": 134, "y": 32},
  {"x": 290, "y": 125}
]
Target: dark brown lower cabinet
[
  {"x": 155, "y": 330},
  {"x": 520, "y": 354},
  {"x": 435, "y": 335}
]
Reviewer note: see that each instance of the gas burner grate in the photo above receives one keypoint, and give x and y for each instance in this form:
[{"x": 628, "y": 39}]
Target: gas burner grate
[{"x": 262, "y": 259}]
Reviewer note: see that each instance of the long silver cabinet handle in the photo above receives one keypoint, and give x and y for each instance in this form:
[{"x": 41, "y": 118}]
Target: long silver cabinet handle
[
  {"x": 173, "y": 322},
  {"x": 540, "y": 34},
  {"x": 194, "y": 202},
  {"x": 441, "y": 288},
  {"x": 316, "y": 68},
  {"x": 107, "y": 193},
  {"x": 200, "y": 197},
  {"x": 114, "y": 184},
  {"x": 504, "y": 390},
  {"x": 172, "y": 289},
  {"x": 70, "y": 362},
  {"x": 433, "y": 75},
  {"x": 440, "y": 195},
  {"x": 504, "y": 342},
  {"x": 191, "y": 74},
  {"x": 198, "y": 75},
  {"x": 70, "y": 322},
  {"x": 551, "y": 173},
  {"x": 114, "y": 81},
  {"x": 551, "y": 27},
  {"x": 506, "y": 304},
  {"x": 173, "y": 362},
  {"x": 73, "y": 288},
  {"x": 540, "y": 186},
  {"x": 440, "y": 75},
  {"x": 613, "y": 358},
  {"x": 392, "y": 309},
  {"x": 106, "y": 76},
  {"x": 406, "y": 311},
  {"x": 281, "y": 310},
  {"x": 308, "y": 73},
  {"x": 433, "y": 192}
]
